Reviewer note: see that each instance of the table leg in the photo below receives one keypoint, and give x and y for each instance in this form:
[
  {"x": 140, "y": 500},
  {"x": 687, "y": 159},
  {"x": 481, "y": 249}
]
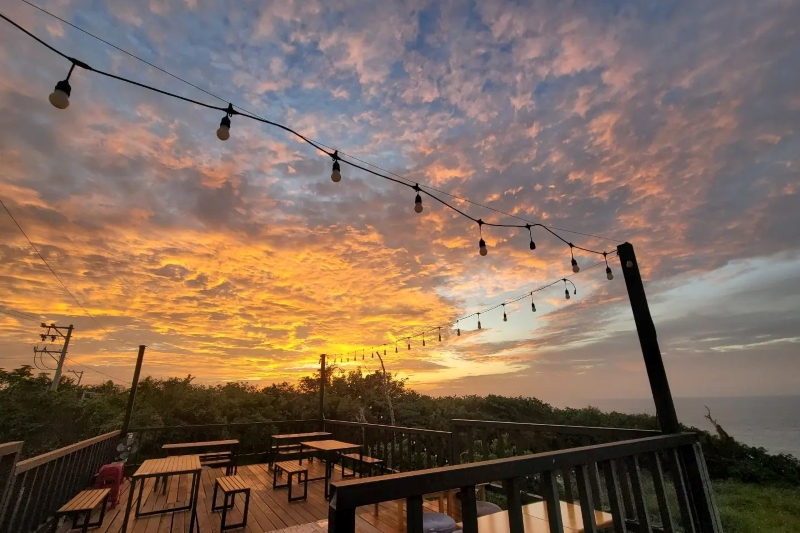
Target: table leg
[
  {"x": 193, "y": 501},
  {"x": 327, "y": 474},
  {"x": 131, "y": 490}
]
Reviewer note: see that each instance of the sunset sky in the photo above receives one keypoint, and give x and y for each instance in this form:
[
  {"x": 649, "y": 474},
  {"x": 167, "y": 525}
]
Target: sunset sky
[{"x": 669, "y": 124}]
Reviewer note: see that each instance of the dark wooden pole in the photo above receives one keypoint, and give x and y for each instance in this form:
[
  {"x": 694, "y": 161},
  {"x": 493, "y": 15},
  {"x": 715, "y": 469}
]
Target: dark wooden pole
[
  {"x": 322, "y": 380},
  {"x": 132, "y": 395},
  {"x": 665, "y": 408}
]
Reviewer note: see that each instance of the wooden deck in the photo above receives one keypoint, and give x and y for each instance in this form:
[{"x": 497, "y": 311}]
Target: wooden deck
[{"x": 269, "y": 510}]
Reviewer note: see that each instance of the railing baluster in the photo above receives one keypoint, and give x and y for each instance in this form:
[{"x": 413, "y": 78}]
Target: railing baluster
[
  {"x": 661, "y": 494},
  {"x": 514, "y": 498},
  {"x": 614, "y": 498},
  {"x": 400, "y": 456},
  {"x": 469, "y": 509},
  {"x": 594, "y": 481},
  {"x": 586, "y": 497},
  {"x": 31, "y": 497},
  {"x": 46, "y": 473},
  {"x": 569, "y": 496},
  {"x": 414, "y": 514},
  {"x": 635, "y": 472},
  {"x": 13, "y": 508},
  {"x": 708, "y": 520},
  {"x": 682, "y": 491},
  {"x": 552, "y": 501},
  {"x": 625, "y": 485}
]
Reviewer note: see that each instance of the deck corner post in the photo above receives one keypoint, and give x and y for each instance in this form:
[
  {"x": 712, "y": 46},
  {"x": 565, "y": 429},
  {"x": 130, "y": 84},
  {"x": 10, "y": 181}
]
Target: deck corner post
[{"x": 340, "y": 520}]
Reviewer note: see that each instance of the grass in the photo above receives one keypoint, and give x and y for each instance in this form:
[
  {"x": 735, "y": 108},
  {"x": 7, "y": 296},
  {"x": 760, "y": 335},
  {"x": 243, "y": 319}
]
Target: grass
[{"x": 748, "y": 508}]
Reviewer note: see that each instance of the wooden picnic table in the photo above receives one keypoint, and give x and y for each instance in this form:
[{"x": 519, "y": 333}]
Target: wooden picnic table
[
  {"x": 284, "y": 439},
  {"x": 167, "y": 466},
  {"x": 330, "y": 451}
]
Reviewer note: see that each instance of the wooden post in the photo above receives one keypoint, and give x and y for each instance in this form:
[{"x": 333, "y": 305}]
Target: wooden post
[
  {"x": 665, "y": 408},
  {"x": 126, "y": 423},
  {"x": 322, "y": 380}
]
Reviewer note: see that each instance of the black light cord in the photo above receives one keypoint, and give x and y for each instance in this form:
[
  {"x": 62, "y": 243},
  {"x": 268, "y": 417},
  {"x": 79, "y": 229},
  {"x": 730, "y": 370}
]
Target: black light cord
[{"x": 335, "y": 155}]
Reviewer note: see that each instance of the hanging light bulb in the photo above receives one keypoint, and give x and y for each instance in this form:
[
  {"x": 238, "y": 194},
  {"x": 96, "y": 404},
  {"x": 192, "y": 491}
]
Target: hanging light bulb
[
  {"x": 481, "y": 243},
  {"x": 224, "y": 130},
  {"x": 566, "y": 293},
  {"x": 408, "y": 340},
  {"x": 417, "y": 200},
  {"x": 362, "y": 356},
  {"x": 609, "y": 274},
  {"x": 373, "y": 355},
  {"x": 59, "y": 98},
  {"x": 533, "y": 307},
  {"x": 440, "y": 334},
  {"x": 458, "y": 329},
  {"x": 479, "y": 321},
  {"x": 336, "y": 174},
  {"x": 384, "y": 351},
  {"x": 532, "y": 244},
  {"x": 575, "y": 267},
  {"x": 423, "y": 340},
  {"x": 566, "y": 288},
  {"x": 505, "y": 316}
]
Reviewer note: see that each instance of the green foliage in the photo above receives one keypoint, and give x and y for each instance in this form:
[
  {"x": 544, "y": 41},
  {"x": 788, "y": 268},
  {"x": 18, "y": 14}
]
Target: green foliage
[{"x": 45, "y": 420}]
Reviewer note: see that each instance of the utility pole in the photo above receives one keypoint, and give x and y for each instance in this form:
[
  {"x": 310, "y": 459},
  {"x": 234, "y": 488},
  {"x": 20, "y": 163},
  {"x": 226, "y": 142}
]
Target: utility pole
[
  {"x": 322, "y": 380},
  {"x": 79, "y": 374},
  {"x": 126, "y": 422},
  {"x": 59, "y": 332},
  {"x": 656, "y": 374}
]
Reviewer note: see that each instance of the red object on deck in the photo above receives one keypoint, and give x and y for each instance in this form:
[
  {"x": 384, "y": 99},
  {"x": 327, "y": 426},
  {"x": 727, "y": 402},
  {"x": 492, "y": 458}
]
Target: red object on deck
[{"x": 110, "y": 476}]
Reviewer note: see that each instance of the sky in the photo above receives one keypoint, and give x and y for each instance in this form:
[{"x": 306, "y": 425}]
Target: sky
[{"x": 672, "y": 125}]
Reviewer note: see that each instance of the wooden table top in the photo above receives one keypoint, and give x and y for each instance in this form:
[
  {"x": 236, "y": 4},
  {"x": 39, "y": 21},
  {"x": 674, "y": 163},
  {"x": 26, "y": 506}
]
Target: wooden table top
[
  {"x": 330, "y": 445},
  {"x": 570, "y": 515},
  {"x": 534, "y": 518},
  {"x": 202, "y": 444},
  {"x": 178, "y": 464},
  {"x": 302, "y": 435}
]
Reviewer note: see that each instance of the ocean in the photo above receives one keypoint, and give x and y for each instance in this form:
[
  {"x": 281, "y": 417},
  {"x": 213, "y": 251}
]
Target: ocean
[{"x": 770, "y": 422}]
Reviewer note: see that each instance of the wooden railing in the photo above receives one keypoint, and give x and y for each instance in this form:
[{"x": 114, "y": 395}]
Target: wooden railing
[
  {"x": 638, "y": 481},
  {"x": 254, "y": 438},
  {"x": 9, "y": 455},
  {"x": 402, "y": 449},
  {"x": 479, "y": 440},
  {"x": 40, "y": 485}
]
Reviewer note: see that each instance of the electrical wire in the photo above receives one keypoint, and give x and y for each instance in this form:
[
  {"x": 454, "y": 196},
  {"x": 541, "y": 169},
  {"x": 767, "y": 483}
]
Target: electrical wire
[
  {"x": 335, "y": 155},
  {"x": 19, "y": 316},
  {"x": 95, "y": 370},
  {"x": 55, "y": 275}
]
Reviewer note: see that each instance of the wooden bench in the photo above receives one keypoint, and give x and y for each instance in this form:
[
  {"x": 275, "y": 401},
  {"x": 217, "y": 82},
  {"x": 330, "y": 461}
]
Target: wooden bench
[
  {"x": 292, "y": 469},
  {"x": 230, "y": 487},
  {"x": 84, "y": 502},
  {"x": 362, "y": 462}
]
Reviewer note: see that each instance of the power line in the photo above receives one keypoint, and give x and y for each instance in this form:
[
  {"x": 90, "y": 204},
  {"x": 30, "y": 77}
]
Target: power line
[
  {"x": 99, "y": 372},
  {"x": 19, "y": 316},
  {"x": 53, "y": 272},
  {"x": 63, "y": 90}
]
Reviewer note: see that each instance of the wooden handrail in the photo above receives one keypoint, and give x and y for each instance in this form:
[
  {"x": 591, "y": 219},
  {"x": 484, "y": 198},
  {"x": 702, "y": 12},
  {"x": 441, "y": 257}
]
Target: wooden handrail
[
  {"x": 222, "y": 425},
  {"x": 7, "y": 448},
  {"x": 355, "y": 493},
  {"x": 590, "y": 431},
  {"x": 418, "y": 431},
  {"x": 39, "y": 460}
]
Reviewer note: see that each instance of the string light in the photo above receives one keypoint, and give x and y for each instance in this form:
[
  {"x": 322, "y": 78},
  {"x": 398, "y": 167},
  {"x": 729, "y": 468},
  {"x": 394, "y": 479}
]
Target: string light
[
  {"x": 440, "y": 334},
  {"x": 458, "y": 329},
  {"x": 423, "y": 340},
  {"x": 609, "y": 274},
  {"x": 224, "y": 130},
  {"x": 336, "y": 174},
  {"x": 530, "y": 231},
  {"x": 575, "y": 267},
  {"x": 533, "y": 305},
  {"x": 566, "y": 289},
  {"x": 481, "y": 243},
  {"x": 505, "y": 316},
  {"x": 408, "y": 340},
  {"x": 395, "y": 346},
  {"x": 60, "y": 99},
  {"x": 479, "y": 321}
]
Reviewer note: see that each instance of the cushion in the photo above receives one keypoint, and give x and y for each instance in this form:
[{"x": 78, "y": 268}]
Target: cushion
[
  {"x": 438, "y": 523},
  {"x": 485, "y": 508}
]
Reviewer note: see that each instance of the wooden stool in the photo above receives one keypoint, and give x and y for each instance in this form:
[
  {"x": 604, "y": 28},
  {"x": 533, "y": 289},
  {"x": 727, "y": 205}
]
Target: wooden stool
[
  {"x": 84, "y": 502},
  {"x": 230, "y": 487},
  {"x": 360, "y": 462},
  {"x": 291, "y": 469}
]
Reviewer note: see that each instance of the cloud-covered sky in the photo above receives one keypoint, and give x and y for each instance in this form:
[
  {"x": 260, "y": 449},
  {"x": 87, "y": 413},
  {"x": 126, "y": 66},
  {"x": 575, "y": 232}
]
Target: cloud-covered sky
[{"x": 670, "y": 124}]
